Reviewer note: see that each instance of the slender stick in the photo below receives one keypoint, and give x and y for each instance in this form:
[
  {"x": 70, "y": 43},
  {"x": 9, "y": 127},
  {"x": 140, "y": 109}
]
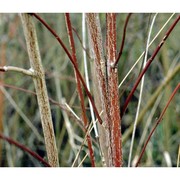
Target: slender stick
[
  {"x": 80, "y": 93},
  {"x": 123, "y": 40},
  {"x": 71, "y": 59},
  {"x": 17, "y": 69},
  {"x": 24, "y": 148},
  {"x": 158, "y": 122},
  {"x": 41, "y": 90},
  {"x": 149, "y": 63}
]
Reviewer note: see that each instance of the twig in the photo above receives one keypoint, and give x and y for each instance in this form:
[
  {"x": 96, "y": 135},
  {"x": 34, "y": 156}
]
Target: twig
[
  {"x": 83, "y": 160},
  {"x": 29, "y": 72},
  {"x": 157, "y": 123},
  {"x": 24, "y": 148},
  {"x": 70, "y": 109},
  {"x": 149, "y": 63},
  {"x": 79, "y": 89},
  {"x": 123, "y": 40},
  {"x": 72, "y": 61}
]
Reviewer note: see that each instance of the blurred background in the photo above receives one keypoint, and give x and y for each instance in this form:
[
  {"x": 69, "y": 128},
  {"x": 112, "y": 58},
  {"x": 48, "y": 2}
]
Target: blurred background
[{"x": 19, "y": 113}]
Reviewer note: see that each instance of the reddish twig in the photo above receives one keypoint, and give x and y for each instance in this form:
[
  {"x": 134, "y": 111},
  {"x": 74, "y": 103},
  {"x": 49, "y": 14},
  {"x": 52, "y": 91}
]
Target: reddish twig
[
  {"x": 148, "y": 64},
  {"x": 113, "y": 96},
  {"x": 24, "y": 148},
  {"x": 79, "y": 89},
  {"x": 123, "y": 39},
  {"x": 157, "y": 123},
  {"x": 72, "y": 61}
]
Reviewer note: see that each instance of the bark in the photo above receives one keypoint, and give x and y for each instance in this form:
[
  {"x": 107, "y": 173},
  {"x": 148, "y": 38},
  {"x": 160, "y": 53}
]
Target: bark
[
  {"x": 107, "y": 88},
  {"x": 41, "y": 90},
  {"x": 112, "y": 76}
]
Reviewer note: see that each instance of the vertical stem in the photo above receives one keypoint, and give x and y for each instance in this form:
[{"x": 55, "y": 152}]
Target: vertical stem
[
  {"x": 95, "y": 38},
  {"x": 112, "y": 76},
  {"x": 41, "y": 90},
  {"x": 79, "y": 88}
]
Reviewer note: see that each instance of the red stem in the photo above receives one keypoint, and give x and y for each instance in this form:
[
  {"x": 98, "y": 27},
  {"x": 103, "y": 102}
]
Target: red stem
[
  {"x": 115, "y": 119},
  {"x": 157, "y": 123},
  {"x": 24, "y": 148},
  {"x": 80, "y": 93},
  {"x": 72, "y": 61},
  {"x": 148, "y": 64},
  {"x": 123, "y": 39}
]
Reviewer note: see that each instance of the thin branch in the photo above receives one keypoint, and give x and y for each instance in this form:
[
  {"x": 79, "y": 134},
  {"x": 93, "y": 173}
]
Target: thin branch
[
  {"x": 24, "y": 148},
  {"x": 29, "y": 72},
  {"x": 123, "y": 40},
  {"x": 72, "y": 61},
  {"x": 79, "y": 89},
  {"x": 70, "y": 109},
  {"x": 158, "y": 122},
  {"x": 83, "y": 160},
  {"x": 149, "y": 63}
]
